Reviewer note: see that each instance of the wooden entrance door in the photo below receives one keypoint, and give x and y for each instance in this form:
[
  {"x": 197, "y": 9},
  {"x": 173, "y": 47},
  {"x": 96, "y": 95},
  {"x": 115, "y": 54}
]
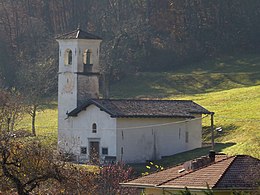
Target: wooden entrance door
[{"x": 94, "y": 152}]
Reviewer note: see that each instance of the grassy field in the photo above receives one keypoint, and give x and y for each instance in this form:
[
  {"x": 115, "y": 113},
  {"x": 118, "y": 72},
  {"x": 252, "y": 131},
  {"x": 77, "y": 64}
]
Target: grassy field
[
  {"x": 46, "y": 124},
  {"x": 229, "y": 86},
  {"x": 237, "y": 111},
  {"x": 209, "y": 76}
]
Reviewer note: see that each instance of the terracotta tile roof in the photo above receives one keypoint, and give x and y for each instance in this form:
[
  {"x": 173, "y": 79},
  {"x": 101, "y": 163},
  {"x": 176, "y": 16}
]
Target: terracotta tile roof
[
  {"x": 144, "y": 108},
  {"x": 243, "y": 173},
  {"x": 236, "y": 172},
  {"x": 159, "y": 177},
  {"x": 78, "y": 34},
  {"x": 199, "y": 178}
]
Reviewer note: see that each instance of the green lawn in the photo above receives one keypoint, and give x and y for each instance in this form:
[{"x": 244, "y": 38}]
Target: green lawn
[
  {"x": 46, "y": 124},
  {"x": 237, "y": 111}
]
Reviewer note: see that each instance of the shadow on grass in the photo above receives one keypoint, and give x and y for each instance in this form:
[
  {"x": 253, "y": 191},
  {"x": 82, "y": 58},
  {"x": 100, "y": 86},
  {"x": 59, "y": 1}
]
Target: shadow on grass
[
  {"x": 229, "y": 63},
  {"x": 215, "y": 75},
  {"x": 226, "y": 130},
  {"x": 167, "y": 84},
  {"x": 51, "y": 105},
  {"x": 176, "y": 159}
]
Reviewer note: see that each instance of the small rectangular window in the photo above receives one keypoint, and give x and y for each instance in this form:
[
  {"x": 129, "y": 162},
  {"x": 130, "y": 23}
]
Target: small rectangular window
[
  {"x": 83, "y": 150},
  {"x": 105, "y": 151},
  {"x": 179, "y": 133},
  {"x": 187, "y": 137}
]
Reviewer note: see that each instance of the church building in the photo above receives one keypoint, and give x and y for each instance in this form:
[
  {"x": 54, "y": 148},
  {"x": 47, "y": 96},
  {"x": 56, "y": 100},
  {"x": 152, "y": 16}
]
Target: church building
[{"x": 128, "y": 130}]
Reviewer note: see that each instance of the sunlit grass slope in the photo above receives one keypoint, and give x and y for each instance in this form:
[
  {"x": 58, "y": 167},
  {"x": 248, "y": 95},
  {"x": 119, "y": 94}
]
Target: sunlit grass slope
[
  {"x": 237, "y": 111},
  {"x": 46, "y": 124}
]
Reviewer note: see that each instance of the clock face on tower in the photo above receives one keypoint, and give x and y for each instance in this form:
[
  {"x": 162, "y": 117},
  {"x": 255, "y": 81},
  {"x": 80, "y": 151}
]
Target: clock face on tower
[{"x": 68, "y": 82}]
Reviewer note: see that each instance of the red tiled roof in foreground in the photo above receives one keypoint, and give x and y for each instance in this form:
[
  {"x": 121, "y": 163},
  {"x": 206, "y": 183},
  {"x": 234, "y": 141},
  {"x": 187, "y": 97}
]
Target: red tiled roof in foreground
[{"x": 235, "y": 172}]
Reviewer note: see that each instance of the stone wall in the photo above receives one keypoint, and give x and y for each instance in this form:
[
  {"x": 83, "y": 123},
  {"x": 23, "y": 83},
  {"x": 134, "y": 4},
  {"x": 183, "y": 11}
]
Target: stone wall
[{"x": 88, "y": 87}]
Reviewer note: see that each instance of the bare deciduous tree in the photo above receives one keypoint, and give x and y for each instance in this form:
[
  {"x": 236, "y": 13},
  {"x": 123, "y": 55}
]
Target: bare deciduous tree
[
  {"x": 11, "y": 109},
  {"x": 37, "y": 81},
  {"x": 25, "y": 166}
]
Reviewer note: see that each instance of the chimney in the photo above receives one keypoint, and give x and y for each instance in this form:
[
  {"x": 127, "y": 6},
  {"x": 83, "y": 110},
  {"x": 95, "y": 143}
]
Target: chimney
[
  {"x": 197, "y": 163},
  {"x": 212, "y": 154}
]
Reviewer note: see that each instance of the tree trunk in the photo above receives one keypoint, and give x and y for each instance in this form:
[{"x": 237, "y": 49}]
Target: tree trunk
[
  {"x": 8, "y": 174},
  {"x": 34, "y": 109}
]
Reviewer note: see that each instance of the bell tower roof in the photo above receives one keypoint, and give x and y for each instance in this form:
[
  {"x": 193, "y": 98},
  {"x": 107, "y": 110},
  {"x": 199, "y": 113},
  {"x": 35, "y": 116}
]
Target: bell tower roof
[{"x": 78, "y": 34}]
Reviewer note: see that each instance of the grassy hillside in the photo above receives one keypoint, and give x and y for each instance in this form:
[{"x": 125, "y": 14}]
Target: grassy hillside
[
  {"x": 229, "y": 86},
  {"x": 209, "y": 76},
  {"x": 237, "y": 111}
]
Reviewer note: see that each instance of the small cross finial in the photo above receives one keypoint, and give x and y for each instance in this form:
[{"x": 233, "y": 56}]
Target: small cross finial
[{"x": 78, "y": 31}]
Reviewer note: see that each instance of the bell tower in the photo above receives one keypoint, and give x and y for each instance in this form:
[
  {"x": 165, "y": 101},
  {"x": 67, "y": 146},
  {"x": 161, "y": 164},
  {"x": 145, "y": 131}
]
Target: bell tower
[{"x": 78, "y": 76}]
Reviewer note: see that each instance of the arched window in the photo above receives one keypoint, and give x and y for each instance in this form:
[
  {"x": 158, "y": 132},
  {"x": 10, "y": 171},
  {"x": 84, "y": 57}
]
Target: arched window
[
  {"x": 87, "y": 56},
  {"x": 94, "y": 128},
  {"x": 68, "y": 57}
]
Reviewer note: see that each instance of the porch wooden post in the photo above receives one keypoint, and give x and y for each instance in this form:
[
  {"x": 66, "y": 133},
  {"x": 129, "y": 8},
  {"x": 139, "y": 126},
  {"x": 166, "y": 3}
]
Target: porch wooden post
[{"x": 212, "y": 130}]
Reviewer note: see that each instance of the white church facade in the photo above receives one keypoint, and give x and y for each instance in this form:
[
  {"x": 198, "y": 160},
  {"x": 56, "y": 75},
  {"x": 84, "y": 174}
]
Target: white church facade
[{"x": 127, "y": 130}]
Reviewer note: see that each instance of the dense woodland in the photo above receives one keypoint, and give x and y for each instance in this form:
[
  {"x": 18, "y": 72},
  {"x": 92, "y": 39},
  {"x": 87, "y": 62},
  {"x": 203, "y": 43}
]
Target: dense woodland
[{"x": 138, "y": 35}]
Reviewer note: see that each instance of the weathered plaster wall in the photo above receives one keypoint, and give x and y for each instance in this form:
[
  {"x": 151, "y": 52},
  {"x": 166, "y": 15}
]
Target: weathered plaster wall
[
  {"x": 67, "y": 101},
  {"x": 79, "y": 132},
  {"x": 149, "y": 143},
  {"x": 82, "y": 87},
  {"x": 78, "y": 47},
  {"x": 195, "y": 133},
  {"x": 93, "y": 45},
  {"x": 152, "y": 139}
]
